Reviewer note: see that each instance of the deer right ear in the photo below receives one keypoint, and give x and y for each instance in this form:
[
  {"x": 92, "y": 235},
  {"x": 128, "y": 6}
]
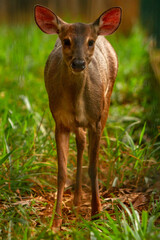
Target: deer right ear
[
  {"x": 46, "y": 20},
  {"x": 109, "y": 21}
]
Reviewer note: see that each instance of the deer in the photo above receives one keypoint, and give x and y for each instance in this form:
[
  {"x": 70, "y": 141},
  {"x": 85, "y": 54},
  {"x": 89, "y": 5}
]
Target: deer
[{"x": 79, "y": 77}]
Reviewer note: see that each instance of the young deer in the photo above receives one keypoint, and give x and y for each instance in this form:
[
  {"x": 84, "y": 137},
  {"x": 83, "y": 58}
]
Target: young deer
[{"x": 79, "y": 78}]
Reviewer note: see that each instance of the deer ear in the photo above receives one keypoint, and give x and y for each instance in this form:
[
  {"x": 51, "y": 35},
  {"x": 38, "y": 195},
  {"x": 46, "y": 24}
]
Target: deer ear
[
  {"x": 46, "y": 20},
  {"x": 109, "y": 21}
]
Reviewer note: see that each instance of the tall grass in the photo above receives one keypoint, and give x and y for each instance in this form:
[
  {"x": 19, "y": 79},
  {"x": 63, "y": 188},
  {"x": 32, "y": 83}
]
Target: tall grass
[{"x": 129, "y": 154}]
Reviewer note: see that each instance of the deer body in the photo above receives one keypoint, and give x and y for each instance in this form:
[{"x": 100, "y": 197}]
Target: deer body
[
  {"x": 79, "y": 78},
  {"x": 84, "y": 100}
]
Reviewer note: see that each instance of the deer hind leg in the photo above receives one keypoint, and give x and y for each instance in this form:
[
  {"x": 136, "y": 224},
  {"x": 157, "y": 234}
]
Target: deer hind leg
[
  {"x": 80, "y": 142},
  {"x": 62, "y": 142},
  {"x": 94, "y": 142}
]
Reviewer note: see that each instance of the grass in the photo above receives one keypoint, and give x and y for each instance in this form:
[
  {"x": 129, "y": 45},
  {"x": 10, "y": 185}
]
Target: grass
[{"x": 129, "y": 154}]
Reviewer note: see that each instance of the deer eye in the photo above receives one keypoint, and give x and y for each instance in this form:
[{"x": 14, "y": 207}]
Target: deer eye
[
  {"x": 67, "y": 42},
  {"x": 91, "y": 43}
]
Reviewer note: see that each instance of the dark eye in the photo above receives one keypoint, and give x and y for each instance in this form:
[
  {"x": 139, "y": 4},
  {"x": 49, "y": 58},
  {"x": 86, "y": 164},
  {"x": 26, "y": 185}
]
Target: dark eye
[
  {"x": 90, "y": 43},
  {"x": 67, "y": 42}
]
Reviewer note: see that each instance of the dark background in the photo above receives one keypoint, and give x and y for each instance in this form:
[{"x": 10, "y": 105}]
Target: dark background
[{"x": 145, "y": 11}]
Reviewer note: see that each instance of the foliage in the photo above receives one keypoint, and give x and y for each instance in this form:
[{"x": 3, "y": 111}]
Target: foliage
[{"x": 28, "y": 164}]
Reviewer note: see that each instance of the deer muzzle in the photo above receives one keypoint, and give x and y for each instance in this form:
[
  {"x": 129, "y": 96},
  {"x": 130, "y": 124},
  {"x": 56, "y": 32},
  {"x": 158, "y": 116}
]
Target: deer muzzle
[{"x": 78, "y": 65}]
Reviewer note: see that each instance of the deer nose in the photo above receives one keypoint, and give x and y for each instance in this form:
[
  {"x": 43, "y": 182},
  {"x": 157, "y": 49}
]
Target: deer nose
[{"x": 78, "y": 64}]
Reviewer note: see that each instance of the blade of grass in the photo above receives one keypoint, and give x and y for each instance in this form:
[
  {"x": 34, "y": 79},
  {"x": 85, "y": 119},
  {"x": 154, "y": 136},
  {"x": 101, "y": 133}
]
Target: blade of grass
[
  {"x": 3, "y": 159},
  {"x": 142, "y": 133}
]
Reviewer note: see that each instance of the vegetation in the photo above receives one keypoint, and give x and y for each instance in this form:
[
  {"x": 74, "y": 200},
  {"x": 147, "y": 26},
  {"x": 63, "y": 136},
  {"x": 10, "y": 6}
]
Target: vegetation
[{"x": 129, "y": 155}]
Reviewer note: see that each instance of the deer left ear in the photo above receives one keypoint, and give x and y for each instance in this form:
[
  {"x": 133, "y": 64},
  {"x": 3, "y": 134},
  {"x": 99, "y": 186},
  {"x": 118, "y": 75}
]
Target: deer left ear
[
  {"x": 109, "y": 21},
  {"x": 46, "y": 20}
]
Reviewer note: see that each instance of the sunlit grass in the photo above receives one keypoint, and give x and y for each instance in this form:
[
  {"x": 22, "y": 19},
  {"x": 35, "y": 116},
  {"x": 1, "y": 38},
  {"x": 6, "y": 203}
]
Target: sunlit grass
[{"x": 130, "y": 147}]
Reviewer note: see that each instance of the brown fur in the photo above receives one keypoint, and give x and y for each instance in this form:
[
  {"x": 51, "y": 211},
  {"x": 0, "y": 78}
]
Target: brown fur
[{"x": 79, "y": 99}]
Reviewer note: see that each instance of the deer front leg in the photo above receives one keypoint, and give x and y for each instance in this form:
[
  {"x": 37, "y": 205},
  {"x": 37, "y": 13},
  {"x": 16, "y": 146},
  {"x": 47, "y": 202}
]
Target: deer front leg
[
  {"x": 80, "y": 141},
  {"x": 62, "y": 142},
  {"x": 94, "y": 142}
]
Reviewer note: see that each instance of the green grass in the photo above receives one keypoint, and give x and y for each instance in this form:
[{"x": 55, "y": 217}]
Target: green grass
[{"x": 129, "y": 154}]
